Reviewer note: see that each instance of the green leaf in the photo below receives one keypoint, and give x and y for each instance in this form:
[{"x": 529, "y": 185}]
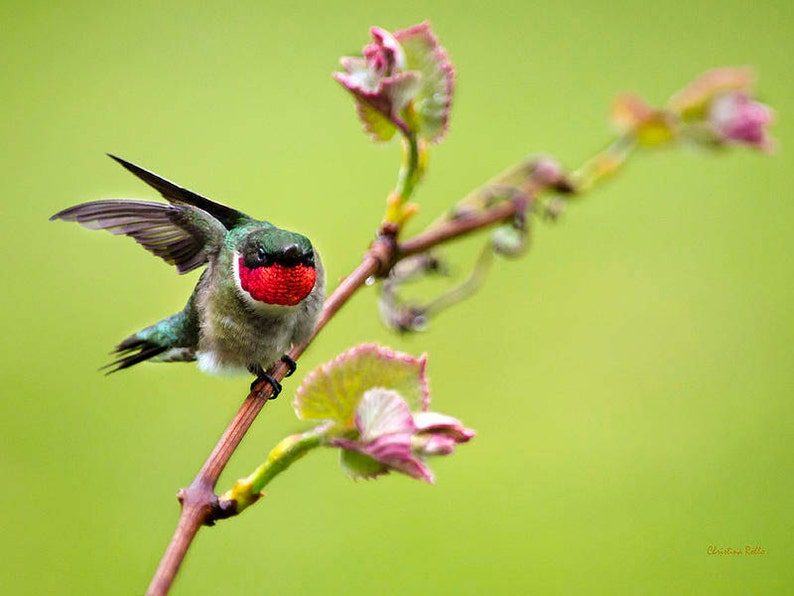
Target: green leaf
[
  {"x": 333, "y": 390},
  {"x": 378, "y": 126},
  {"x": 434, "y": 99},
  {"x": 357, "y": 465}
]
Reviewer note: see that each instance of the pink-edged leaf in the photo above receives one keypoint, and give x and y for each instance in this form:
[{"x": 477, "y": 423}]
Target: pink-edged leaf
[
  {"x": 433, "y": 101},
  {"x": 410, "y": 466},
  {"x": 383, "y": 412},
  {"x": 380, "y": 84},
  {"x": 433, "y": 422},
  {"x": 391, "y": 435},
  {"x": 409, "y": 67},
  {"x": 390, "y": 453},
  {"x": 379, "y": 101},
  {"x": 333, "y": 390},
  {"x": 435, "y": 445},
  {"x": 385, "y": 54},
  {"x": 437, "y": 434}
]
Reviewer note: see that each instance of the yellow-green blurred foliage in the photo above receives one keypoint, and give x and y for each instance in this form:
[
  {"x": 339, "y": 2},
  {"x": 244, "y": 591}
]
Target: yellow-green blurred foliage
[{"x": 631, "y": 380}]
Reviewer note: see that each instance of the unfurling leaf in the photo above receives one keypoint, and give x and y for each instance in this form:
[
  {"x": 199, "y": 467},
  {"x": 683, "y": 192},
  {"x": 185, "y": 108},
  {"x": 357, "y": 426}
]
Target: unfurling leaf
[
  {"x": 374, "y": 401},
  {"x": 433, "y": 101},
  {"x": 718, "y": 109},
  {"x": 392, "y": 438},
  {"x": 333, "y": 390},
  {"x": 402, "y": 82}
]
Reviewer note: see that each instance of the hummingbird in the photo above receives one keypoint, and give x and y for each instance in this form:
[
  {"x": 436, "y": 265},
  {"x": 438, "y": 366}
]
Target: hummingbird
[{"x": 261, "y": 291}]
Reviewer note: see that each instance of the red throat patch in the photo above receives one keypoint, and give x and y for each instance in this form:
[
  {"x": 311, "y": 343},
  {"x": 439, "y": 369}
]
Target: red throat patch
[{"x": 276, "y": 284}]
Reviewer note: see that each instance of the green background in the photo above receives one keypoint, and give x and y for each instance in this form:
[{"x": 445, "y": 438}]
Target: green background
[{"x": 631, "y": 379}]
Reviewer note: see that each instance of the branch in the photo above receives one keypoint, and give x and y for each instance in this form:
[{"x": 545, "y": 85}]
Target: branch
[{"x": 200, "y": 504}]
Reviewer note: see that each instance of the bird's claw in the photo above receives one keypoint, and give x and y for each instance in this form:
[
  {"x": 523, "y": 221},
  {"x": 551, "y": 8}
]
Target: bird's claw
[
  {"x": 290, "y": 362},
  {"x": 263, "y": 376}
]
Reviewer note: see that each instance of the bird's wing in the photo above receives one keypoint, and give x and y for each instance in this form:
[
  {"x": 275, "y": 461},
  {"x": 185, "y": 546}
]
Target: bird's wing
[
  {"x": 179, "y": 234},
  {"x": 181, "y": 196}
]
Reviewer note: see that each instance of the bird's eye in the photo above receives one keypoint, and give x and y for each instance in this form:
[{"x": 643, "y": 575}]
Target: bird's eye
[{"x": 261, "y": 254}]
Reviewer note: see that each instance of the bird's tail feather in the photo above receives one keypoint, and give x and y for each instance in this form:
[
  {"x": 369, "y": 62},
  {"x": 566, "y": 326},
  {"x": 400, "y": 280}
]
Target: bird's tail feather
[
  {"x": 174, "y": 339},
  {"x": 132, "y": 351}
]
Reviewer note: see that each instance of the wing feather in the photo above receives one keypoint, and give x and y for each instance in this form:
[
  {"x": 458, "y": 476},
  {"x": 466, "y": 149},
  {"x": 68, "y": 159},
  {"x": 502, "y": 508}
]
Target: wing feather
[
  {"x": 182, "y": 196},
  {"x": 181, "y": 235}
]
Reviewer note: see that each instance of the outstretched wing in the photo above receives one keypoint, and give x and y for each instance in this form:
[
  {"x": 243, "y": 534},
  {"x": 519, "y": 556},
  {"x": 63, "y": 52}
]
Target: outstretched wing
[
  {"x": 179, "y": 234},
  {"x": 176, "y": 194}
]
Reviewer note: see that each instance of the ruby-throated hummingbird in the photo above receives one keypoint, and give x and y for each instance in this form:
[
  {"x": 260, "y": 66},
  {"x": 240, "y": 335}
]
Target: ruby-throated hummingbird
[{"x": 261, "y": 292}]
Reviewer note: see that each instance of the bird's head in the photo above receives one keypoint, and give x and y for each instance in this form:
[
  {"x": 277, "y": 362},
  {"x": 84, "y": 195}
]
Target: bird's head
[{"x": 275, "y": 266}]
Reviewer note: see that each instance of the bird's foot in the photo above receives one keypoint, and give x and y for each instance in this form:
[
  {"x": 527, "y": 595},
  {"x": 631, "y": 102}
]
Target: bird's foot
[
  {"x": 288, "y": 360},
  {"x": 261, "y": 375},
  {"x": 273, "y": 383}
]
